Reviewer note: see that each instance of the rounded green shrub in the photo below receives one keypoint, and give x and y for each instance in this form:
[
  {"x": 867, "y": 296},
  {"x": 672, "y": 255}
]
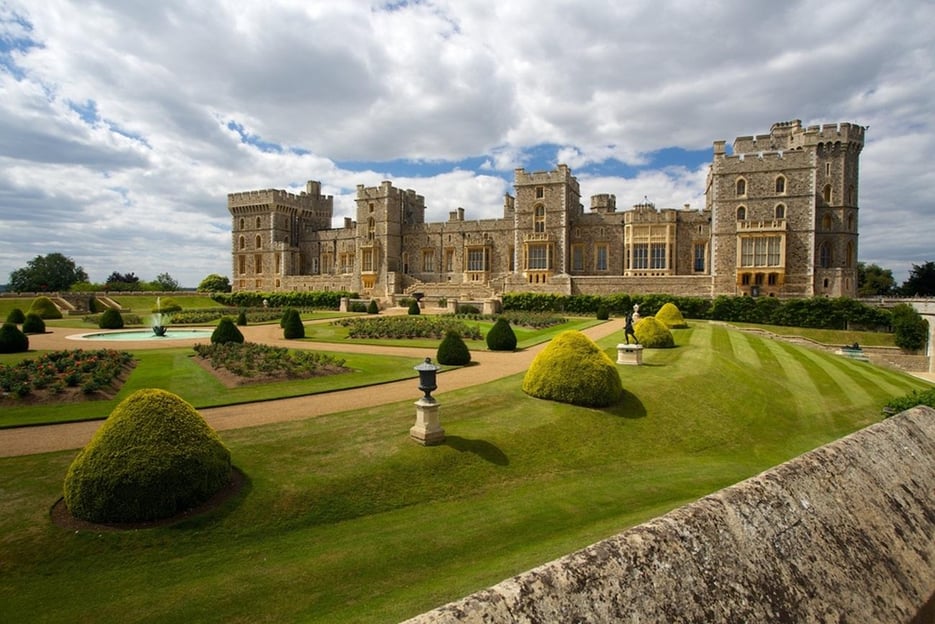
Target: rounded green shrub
[
  {"x": 154, "y": 457},
  {"x": 501, "y": 336},
  {"x": 110, "y": 319},
  {"x": 671, "y": 316},
  {"x": 653, "y": 334},
  {"x": 95, "y": 306},
  {"x": 225, "y": 332},
  {"x": 44, "y": 307},
  {"x": 292, "y": 328},
  {"x": 372, "y": 307},
  {"x": 285, "y": 314},
  {"x": 414, "y": 307},
  {"x": 452, "y": 350},
  {"x": 573, "y": 369},
  {"x": 33, "y": 324},
  {"x": 12, "y": 340},
  {"x": 242, "y": 318},
  {"x": 603, "y": 313},
  {"x": 16, "y": 316}
]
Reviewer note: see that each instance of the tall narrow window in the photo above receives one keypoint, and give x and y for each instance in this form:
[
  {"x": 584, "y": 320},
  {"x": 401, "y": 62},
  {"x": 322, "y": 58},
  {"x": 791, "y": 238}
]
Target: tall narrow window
[
  {"x": 243, "y": 242},
  {"x": 657, "y": 256},
  {"x": 825, "y": 257},
  {"x": 826, "y": 223},
  {"x": 257, "y": 263},
  {"x": 428, "y": 260},
  {"x": 241, "y": 223},
  {"x": 741, "y": 187},
  {"x": 849, "y": 255},
  {"x": 242, "y": 264},
  {"x": 781, "y": 185},
  {"x": 780, "y": 211},
  {"x": 641, "y": 256},
  {"x": 449, "y": 260},
  {"x": 741, "y": 213},
  {"x": 699, "y": 257},
  {"x": 540, "y": 192},
  {"x": 577, "y": 258},
  {"x": 366, "y": 260},
  {"x": 258, "y": 223},
  {"x": 371, "y": 228},
  {"x": 539, "y": 223},
  {"x": 600, "y": 258},
  {"x": 826, "y": 194},
  {"x": 259, "y": 242},
  {"x": 476, "y": 259}
]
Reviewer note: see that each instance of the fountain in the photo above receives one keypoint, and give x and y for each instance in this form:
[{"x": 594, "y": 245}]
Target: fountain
[{"x": 160, "y": 328}]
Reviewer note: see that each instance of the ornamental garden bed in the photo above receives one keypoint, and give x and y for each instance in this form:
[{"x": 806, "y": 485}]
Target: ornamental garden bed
[{"x": 64, "y": 377}]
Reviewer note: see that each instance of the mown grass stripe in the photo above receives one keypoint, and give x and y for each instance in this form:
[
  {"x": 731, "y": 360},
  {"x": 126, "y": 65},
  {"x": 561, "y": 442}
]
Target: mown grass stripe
[
  {"x": 743, "y": 351},
  {"x": 853, "y": 391}
]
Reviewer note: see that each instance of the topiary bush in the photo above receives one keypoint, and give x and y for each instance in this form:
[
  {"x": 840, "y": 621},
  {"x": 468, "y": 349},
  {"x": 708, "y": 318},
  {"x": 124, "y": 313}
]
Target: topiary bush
[
  {"x": 573, "y": 369},
  {"x": 452, "y": 350},
  {"x": 44, "y": 307},
  {"x": 15, "y": 316},
  {"x": 33, "y": 324},
  {"x": 292, "y": 327},
  {"x": 414, "y": 308},
  {"x": 501, "y": 336},
  {"x": 242, "y": 318},
  {"x": 12, "y": 340},
  {"x": 225, "y": 332},
  {"x": 372, "y": 307},
  {"x": 603, "y": 313},
  {"x": 110, "y": 319},
  {"x": 671, "y": 316},
  {"x": 653, "y": 334},
  {"x": 153, "y": 458}
]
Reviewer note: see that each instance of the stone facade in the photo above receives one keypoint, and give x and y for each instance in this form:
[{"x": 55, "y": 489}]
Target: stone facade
[{"x": 780, "y": 220}]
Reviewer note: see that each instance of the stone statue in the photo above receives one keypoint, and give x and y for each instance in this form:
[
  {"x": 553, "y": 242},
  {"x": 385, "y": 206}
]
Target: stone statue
[{"x": 636, "y": 313}]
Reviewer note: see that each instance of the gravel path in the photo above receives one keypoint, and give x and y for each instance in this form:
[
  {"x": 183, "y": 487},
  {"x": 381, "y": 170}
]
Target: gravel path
[{"x": 488, "y": 366}]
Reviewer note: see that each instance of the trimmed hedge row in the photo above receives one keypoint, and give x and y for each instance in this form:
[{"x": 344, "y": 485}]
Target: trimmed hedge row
[
  {"x": 815, "y": 312},
  {"x": 319, "y": 300}
]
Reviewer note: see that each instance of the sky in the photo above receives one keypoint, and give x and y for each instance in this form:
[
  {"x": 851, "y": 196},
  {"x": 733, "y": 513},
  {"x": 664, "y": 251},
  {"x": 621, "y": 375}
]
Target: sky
[{"x": 124, "y": 124}]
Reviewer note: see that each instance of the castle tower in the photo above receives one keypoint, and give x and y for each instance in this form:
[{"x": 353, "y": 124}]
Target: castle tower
[
  {"x": 267, "y": 229},
  {"x": 784, "y": 212}
]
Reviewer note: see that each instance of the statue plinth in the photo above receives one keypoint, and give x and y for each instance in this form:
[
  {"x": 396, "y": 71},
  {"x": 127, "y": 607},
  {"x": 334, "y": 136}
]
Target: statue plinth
[
  {"x": 630, "y": 354},
  {"x": 427, "y": 431}
]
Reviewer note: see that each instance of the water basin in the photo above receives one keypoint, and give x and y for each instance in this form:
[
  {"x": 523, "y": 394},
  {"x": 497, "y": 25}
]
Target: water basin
[{"x": 146, "y": 334}]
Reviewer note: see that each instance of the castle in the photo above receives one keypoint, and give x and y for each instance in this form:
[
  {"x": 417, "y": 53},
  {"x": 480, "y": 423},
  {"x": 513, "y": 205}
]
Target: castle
[{"x": 780, "y": 219}]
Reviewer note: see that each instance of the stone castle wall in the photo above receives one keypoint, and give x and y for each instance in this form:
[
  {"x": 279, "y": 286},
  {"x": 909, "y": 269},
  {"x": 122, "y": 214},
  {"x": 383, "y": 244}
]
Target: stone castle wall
[{"x": 840, "y": 534}]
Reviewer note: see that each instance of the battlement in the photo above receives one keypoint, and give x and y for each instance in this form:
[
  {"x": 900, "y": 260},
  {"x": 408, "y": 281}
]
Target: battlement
[
  {"x": 604, "y": 202},
  {"x": 559, "y": 175},
  {"x": 790, "y": 135},
  {"x": 309, "y": 199},
  {"x": 386, "y": 190}
]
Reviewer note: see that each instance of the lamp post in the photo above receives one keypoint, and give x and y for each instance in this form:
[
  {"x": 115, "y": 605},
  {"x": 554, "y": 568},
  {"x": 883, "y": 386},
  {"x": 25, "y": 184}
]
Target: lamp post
[{"x": 427, "y": 431}]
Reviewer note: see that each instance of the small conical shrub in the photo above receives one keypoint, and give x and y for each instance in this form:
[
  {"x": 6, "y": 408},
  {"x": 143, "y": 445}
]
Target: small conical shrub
[
  {"x": 12, "y": 340},
  {"x": 501, "y": 336},
  {"x": 15, "y": 316},
  {"x": 603, "y": 313},
  {"x": 226, "y": 332},
  {"x": 285, "y": 314},
  {"x": 292, "y": 328},
  {"x": 154, "y": 457},
  {"x": 373, "y": 308},
  {"x": 414, "y": 308},
  {"x": 33, "y": 324},
  {"x": 452, "y": 350},
  {"x": 44, "y": 307},
  {"x": 242, "y": 318},
  {"x": 573, "y": 369},
  {"x": 652, "y": 334},
  {"x": 671, "y": 316},
  {"x": 110, "y": 319}
]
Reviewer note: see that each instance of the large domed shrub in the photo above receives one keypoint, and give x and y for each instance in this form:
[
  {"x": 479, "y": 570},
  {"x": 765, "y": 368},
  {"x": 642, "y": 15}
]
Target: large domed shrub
[
  {"x": 226, "y": 332},
  {"x": 452, "y": 350},
  {"x": 652, "y": 334},
  {"x": 15, "y": 316},
  {"x": 501, "y": 336},
  {"x": 671, "y": 316},
  {"x": 44, "y": 307},
  {"x": 572, "y": 369},
  {"x": 153, "y": 458},
  {"x": 292, "y": 327},
  {"x": 110, "y": 319},
  {"x": 12, "y": 340},
  {"x": 32, "y": 324}
]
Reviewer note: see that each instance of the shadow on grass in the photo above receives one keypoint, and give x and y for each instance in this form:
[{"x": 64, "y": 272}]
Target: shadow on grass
[
  {"x": 483, "y": 449},
  {"x": 629, "y": 406}
]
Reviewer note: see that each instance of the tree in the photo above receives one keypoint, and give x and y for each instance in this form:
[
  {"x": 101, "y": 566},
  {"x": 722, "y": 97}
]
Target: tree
[
  {"x": 166, "y": 282},
  {"x": 122, "y": 281},
  {"x": 910, "y": 329},
  {"x": 53, "y": 272},
  {"x": 874, "y": 280},
  {"x": 921, "y": 282},
  {"x": 215, "y": 283}
]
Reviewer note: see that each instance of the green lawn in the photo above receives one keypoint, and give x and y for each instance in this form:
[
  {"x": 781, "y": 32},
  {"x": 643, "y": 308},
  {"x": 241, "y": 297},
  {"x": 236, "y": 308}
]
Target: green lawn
[
  {"x": 346, "y": 520},
  {"x": 832, "y": 337}
]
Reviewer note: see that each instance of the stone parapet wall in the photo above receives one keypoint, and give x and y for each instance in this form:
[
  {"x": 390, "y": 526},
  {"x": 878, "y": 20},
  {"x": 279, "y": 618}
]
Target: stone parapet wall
[{"x": 840, "y": 534}]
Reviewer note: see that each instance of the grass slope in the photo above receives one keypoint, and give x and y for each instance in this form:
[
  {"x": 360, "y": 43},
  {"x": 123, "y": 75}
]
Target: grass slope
[{"x": 347, "y": 520}]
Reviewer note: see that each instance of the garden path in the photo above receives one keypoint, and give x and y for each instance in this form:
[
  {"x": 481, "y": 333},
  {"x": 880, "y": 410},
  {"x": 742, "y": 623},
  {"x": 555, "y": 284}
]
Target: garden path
[{"x": 487, "y": 366}]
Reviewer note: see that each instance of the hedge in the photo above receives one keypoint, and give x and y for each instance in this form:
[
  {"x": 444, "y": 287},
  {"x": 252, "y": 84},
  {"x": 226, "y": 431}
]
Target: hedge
[{"x": 321, "y": 300}]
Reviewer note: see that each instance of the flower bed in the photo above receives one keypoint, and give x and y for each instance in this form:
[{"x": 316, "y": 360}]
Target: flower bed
[
  {"x": 405, "y": 327},
  {"x": 519, "y": 318},
  {"x": 62, "y": 374},
  {"x": 253, "y": 363}
]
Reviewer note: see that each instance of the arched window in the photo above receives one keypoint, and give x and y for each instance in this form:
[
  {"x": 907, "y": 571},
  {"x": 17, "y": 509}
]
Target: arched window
[
  {"x": 741, "y": 213},
  {"x": 781, "y": 185},
  {"x": 849, "y": 255},
  {"x": 826, "y": 223},
  {"x": 258, "y": 223},
  {"x": 826, "y": 194},
  {"x": 259, "y": 242},
  {"x": 741, "y": 187},
  {"x": 241, "y": 223},
  {"x": 780, "y": 212},
  {"x": 539, "y": 222},
  {"x": 243, "y": 242},
  {"x": 825, "y": 256}
]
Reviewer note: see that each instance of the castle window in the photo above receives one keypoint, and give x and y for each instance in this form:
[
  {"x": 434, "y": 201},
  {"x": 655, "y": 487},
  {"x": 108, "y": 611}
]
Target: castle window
[
  {"x": 761, "y": 251},
  {"x": 366, "y": 260},
  {"x": 537, "y": 257},
  {"x": 772, "y": 279},
  {"x": 577, "y": 257},
  {"x": 827, "y": 168},
  {"x": 449, "y": 260},
  {"x": 258, "y": 223},
  {"x": 850, "y": 223},
  {"x": 826, "y": 194},
  {"x": 539, "y": 220},
  {"x": 741, "y": 213},
  {"x": 278, "y": 264},
  {"x": 780, "y": 211},
  {"x": 657, "y": 256},
  {"x": 370, "y": 207},
  {"x": 477, "y": 259},
  {"x": 826, "y": 222},
  {"x": 258, "y": 263},
  {"x": 242, "y": 264},
  {"x": 741, "y": 187},
  {"x": 849, "y": 255},
  {"x": 781, "y": 185},
  {"x": 243, "y": 243},
  {"x": 371, "y": 228},
  {"x": 641, "y": 256},
  {"x": 600, "y": 258},
  {"x": 327, "y": 263},
  {"x": 699, "y": 257},
  {"x": 241, "y": 223},
  {"x": 540, "y": 192},
  {"x": 745, "y": 279},
  {"x": 825, "y": 255},
  {"x": 758, "y": 279},
  {"x": 259, "y": 242},
  {"x": 405, "y": 262},
  {"x": 428, "y": 260}
]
